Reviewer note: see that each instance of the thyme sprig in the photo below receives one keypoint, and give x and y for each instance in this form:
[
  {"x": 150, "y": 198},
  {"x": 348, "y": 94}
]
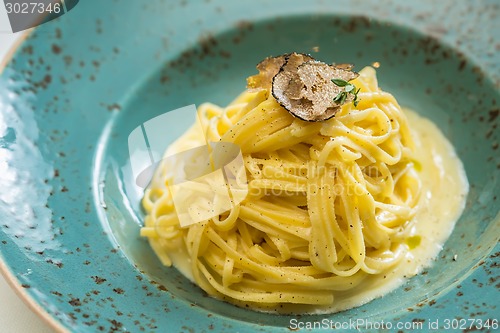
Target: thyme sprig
[{"x": 349, "y": 88}]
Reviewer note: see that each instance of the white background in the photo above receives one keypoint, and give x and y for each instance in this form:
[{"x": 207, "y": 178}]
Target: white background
[{"x": 15, "y": 316}]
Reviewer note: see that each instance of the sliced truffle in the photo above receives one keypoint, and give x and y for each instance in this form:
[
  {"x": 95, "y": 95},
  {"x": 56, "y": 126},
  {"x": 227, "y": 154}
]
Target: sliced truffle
[
  {"x": 306, "y": 90},
  {"x": 270, "y": 66}
]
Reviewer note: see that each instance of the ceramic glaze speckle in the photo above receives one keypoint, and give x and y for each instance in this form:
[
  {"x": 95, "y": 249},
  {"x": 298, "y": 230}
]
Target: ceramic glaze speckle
[{"x": 77, "y": 86}]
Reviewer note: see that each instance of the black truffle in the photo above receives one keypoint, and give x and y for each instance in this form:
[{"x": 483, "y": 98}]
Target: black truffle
[
  {"x": 270, "y": 66},
  {"x": 305, "y": 88}
]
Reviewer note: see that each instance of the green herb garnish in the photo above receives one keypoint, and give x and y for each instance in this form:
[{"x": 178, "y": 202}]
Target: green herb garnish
[
  {"x": 349, "y": 88},
  {"x": 340, "y": 98}
]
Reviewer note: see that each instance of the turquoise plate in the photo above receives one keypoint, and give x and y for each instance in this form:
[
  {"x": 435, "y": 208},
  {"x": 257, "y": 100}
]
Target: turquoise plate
[{"x": 77, "y": 86}]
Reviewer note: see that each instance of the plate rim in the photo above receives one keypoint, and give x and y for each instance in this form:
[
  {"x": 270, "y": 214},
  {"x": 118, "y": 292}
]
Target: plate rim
[{"x": 5, "y": 270}]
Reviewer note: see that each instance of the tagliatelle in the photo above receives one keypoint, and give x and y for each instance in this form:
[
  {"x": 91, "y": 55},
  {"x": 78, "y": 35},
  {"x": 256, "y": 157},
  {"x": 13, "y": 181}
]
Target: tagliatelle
[{"x": 330, "y": 203}]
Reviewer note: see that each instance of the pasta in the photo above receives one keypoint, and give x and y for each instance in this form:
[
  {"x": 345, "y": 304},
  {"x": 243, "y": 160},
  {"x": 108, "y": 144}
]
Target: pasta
[{"x": 330, "y": 204}]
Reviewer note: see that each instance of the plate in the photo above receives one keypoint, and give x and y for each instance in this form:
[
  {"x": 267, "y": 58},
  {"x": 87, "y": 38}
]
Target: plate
[{"x": 78, "y": 86}]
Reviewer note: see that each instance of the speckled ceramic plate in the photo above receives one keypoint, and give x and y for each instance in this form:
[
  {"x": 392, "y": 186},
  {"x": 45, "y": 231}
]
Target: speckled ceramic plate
[{"x": 77, "y": 86}]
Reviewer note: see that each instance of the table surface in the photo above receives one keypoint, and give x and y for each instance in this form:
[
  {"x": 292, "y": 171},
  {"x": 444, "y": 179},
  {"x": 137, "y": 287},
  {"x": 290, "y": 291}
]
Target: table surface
[{"x": 15, "y": 316}]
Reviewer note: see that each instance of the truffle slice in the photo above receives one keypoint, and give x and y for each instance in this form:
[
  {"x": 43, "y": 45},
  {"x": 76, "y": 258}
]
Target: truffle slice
[
  {"x": 270, "y": 66},
  {"x": 306, "y": 89}
]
